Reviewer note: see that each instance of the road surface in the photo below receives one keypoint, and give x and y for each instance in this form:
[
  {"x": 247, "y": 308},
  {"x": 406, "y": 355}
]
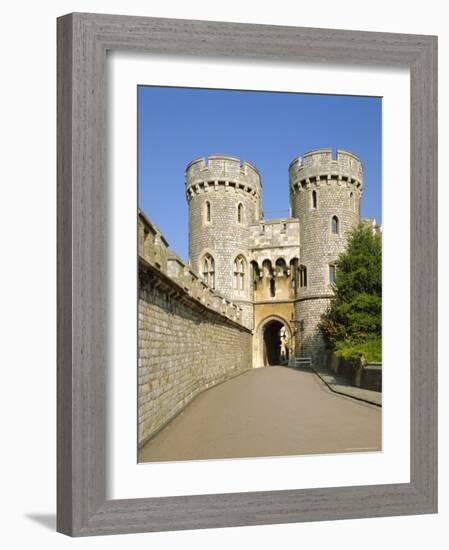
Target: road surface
[{"x": 272, "y": 411}]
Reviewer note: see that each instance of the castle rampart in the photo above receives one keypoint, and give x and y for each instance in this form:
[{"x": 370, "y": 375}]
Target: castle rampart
[
  {"x": 190, "y": 337},
  {"x": 185, "y": 347}
]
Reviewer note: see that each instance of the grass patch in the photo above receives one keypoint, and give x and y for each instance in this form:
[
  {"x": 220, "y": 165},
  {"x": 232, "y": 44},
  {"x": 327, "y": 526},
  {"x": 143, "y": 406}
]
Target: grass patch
[{"x": 370, "y": 350}]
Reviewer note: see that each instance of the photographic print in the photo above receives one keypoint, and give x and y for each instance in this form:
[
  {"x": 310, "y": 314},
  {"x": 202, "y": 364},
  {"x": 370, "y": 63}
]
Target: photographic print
[{"x": 259, "y": 274}]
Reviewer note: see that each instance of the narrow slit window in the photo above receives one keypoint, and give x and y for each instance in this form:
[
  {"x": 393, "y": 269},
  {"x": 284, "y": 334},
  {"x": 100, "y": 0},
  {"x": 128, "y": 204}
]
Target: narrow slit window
[
  {"x": 208, "y": 214},
  {"x": 335, "y": 225},
  {"x": 314, "y": 200},
  {"x": 240, "y": 213},
  {"x": 332, "y": 272}
]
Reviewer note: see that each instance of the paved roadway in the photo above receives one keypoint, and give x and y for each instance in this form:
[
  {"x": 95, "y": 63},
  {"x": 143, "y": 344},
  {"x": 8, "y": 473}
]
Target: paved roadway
[{"x": 272, "y": 411}]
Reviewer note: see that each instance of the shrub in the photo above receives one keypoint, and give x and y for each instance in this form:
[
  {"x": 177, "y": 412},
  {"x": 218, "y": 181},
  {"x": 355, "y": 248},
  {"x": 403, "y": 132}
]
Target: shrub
[{"x": 352, "y": 326}]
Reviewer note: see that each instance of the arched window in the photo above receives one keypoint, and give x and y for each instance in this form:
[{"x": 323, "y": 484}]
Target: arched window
[
  {"x": 332, "y": 272},
  {"x": 314, "y": 199},
  {"x": 207, "y": 213},
  {"x": 302, "y": 272},
  {"x": 239, "y": 273},
  {"x": 351, "y": 200},
  {"x": 281, "y": 267},
  {"x": 335, "y": 225},
  {"x": 240, "y": 213},
  {"x": 209, "y": 270}
]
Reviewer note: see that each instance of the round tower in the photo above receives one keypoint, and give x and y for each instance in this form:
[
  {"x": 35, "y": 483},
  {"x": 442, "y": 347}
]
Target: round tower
[
  {"x": 224, "y": 198},
  {"x": 325, "y": 195}
]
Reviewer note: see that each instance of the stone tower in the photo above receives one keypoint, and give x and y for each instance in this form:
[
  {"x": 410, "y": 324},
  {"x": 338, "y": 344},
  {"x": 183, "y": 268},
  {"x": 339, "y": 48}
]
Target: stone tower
[
  {"x": 325, "y": 197},
  {"x": 224, "y": 198}
]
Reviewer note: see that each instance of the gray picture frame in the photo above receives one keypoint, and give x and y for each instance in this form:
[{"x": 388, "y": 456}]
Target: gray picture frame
[{"x": 83, "y": 40}]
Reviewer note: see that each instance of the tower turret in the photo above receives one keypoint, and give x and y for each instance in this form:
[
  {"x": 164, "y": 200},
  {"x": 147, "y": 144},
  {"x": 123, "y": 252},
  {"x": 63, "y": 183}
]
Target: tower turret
[
  {"x": 325, "y": 196},
  {"x": 224, "y": 198}
]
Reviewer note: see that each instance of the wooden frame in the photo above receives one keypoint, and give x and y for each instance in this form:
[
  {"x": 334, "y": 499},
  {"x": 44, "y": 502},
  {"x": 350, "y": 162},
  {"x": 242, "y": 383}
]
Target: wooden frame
[{"x": 83, "y": 40}]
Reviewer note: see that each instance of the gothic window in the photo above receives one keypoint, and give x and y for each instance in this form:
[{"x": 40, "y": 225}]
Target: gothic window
[
  {"x": 332, "y": 271},
  {"x": 335, "y": 225},
  {"x": 314, "y": 199},
  {"x": 281, "y": 267},
  {"x": 209, "y": 270},
  {"x": 207, "y": 213},
  {"x": 239, "y": 273},
  {"x": 302, "y": 272},
  {"x": 240, "y": 213}
]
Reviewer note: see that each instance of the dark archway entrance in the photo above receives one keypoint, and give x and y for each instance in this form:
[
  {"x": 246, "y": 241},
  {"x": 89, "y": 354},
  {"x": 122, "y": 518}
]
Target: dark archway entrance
[{"x": 272, "y": 344}]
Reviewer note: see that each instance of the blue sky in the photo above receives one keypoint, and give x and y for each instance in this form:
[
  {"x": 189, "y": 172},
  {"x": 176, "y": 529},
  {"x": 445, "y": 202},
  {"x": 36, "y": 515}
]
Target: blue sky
[{"x": 268, "y": 129}]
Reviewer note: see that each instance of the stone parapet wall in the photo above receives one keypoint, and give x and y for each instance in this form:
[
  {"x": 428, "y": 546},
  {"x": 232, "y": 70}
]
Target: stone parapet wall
[
  {"x": 152, "y": 245},
  {"x": 321, "y": 164},
  {"x": 216, "y": 168},
  {"x": 154, "y": 252},
  {"x": 356, "y": 371},
  {"x": 185, "y": 347},
  {"x": 274, "y": 239}
]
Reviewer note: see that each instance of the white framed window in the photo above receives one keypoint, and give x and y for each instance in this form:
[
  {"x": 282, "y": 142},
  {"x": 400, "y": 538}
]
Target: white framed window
[
  {"x": 239, "y": 273},
  {"x": 209, "y": 270}
]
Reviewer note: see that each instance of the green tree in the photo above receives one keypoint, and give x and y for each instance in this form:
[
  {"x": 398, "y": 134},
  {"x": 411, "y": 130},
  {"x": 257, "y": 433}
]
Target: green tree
[{"x": 354, "y": 317}]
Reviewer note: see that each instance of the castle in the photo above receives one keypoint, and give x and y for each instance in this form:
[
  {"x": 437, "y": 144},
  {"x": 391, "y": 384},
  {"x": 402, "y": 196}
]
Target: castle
[
  {"x": 254, "y": 289},
  {"x": 279, "y": 271}
]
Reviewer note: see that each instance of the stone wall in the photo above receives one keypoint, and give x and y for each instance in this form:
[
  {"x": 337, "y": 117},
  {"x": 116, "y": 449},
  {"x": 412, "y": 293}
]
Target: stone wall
[{"x": 184, "y": 348}]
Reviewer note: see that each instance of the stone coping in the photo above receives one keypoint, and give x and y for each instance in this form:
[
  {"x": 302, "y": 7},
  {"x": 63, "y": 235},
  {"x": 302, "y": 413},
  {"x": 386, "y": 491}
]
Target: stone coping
[{"x": 223, "y": 307}]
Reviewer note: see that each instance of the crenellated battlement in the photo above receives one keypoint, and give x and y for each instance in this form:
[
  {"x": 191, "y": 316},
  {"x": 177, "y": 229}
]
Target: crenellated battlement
[
  {"x": 208, "y": 174},
  {"x": 320, "y": 168}
]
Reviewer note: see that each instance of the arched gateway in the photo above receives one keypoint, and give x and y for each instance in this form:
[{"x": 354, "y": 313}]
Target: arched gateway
[{"x": 273, "y": 341}]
